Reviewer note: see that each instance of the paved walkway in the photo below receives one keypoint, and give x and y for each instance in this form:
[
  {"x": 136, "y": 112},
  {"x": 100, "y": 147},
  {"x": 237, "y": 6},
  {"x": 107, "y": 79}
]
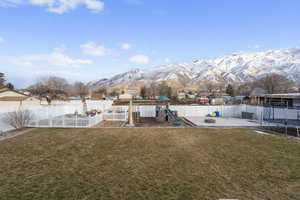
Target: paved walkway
[
  {"x": 15, "y": 133},
  {"x": 223, "y": 122}
]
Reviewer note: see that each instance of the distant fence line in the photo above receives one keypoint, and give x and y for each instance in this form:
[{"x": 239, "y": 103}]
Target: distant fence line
[
  {"x": 62, "y": 114},
  {"x": 260, "y": 114},
  {"x": 202, "y": 111}
]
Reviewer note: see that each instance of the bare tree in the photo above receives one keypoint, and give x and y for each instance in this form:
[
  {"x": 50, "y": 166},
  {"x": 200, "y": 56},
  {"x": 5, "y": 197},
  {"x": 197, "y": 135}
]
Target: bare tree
[
  {"x": 164, "y": 90},
  {"x": 274, "y": 83},
  {"x": 51, "y": 88},
  {"x": 245, "y": 89},
  {"x": 114, "y": 93},
  {"x": 18, "y": 119},
  {"x": 102, "y": 90},
  {"x": 209, "y": 86},
  {"x": 152, "y": 90},
  {"x": 80, "y": 89}
]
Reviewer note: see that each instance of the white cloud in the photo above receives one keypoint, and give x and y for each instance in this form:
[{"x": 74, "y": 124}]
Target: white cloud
[
  {"x": 93, "y": 49},
  {"x": 58, "y": 6},
  {"x": 140, "y": 59},
  {"x": 10, "y": 3},
  {"x": 125, "y": 46},
  {"x": 64, "y": 6},
  {"x": 68, "y": 74},
  {"x": 42, "y": 2},
  {"x": 53, "y": 59}
]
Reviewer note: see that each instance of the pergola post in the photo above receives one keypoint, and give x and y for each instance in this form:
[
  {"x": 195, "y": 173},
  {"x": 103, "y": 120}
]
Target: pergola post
[{"x": 130, "y": 115}]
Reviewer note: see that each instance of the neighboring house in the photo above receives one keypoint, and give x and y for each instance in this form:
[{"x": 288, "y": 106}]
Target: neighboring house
[
  {"x": 217, "y": 101},
  {"x": 203, "y": 94},
  {"x": 98, "y": 96},
  {"x": 191, "y": 96},
  {"x": 181, "y": 95},
  {"x": 26, "y": 92},
  {"x": 75, "y": 98},
  {"x": 202, "y": 100},
  {"x": 125, "y": 96},
  {"x": 14, "y": 99},
  {"x": 240, "y": 99},
  {"x": 256, "y": 96},
  {"x": 228, "y": 99},
  {"x": 6, "y": 92},
  {"x": 281, "y": 100},
  {"x": 135, "y": 93},
  {"x": 130, "y": 94}
]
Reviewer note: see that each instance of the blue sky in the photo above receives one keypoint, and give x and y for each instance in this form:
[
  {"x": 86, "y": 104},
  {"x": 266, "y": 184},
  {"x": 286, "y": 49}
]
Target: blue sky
[{"x": 92, "y": 39}]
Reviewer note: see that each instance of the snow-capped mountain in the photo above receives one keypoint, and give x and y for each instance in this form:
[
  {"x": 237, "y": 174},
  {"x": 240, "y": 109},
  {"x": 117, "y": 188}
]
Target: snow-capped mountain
[{"x": 238, "y": 67}]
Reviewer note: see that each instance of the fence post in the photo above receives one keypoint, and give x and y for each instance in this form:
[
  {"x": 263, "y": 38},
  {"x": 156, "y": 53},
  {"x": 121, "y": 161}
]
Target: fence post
[
  {"x": 37, "y": 119},
  {"x": 50, "y": 118},
  {"x": 90, "y": 124},
  {"x": 261, "y": 119},
  {"x": 76, "y": 121}
]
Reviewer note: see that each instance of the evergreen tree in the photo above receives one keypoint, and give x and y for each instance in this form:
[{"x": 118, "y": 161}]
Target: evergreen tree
[
  {"x": 10, "y": 86},
  {"x": 143, "y": 92},
  {"x": 230, "y": 90},
  {"x": 2, "y": 80}
]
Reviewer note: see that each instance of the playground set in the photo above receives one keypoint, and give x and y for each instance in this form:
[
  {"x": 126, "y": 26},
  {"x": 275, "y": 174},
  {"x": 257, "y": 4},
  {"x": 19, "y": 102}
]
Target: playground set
[{"x": 164, "y": 113}]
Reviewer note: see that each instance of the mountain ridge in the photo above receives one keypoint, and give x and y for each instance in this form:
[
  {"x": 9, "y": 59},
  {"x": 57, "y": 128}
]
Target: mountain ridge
[{"x": 233, "y": 68}]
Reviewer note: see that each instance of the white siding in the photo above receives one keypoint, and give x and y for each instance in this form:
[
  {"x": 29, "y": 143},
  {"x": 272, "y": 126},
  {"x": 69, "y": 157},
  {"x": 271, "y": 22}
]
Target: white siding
[{"x": 10, "y": 94}]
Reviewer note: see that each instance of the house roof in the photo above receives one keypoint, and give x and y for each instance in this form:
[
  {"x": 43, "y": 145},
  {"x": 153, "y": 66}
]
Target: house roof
[
  {"x": 257, "y": 92},
  {"x": 13, "y": 98},
  {"x": 5, "y": 89},
  {"x": 284, "y": 95},
  {"x": 98, "y": 95},
  {"x": 125, "y": 95}
]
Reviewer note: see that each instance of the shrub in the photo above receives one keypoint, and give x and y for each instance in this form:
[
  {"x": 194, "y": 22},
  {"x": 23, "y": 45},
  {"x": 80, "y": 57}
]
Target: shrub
[{"x": 18, "y": 119}]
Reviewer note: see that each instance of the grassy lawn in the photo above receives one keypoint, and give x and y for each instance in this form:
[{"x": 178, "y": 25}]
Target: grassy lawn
[{"x": 149, "y": 164}]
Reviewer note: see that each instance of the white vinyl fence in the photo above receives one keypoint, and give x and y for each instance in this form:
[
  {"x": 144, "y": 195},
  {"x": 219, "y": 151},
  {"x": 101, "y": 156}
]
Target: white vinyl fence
[
  {"x": 66, "y": 121},
  {"x": 145, "y": 111},
  {"x": 282, "y": 113},
  {"x": 61, "y": 114},
  {"x": 189, "y": 111},
  {"x": 3, "y": 125},
  {"x": 193, "y": 111},
  {"x": 115, "y": 116},
  {"x": 70, "y": 114},
  {"x": 230, "y": 111}
]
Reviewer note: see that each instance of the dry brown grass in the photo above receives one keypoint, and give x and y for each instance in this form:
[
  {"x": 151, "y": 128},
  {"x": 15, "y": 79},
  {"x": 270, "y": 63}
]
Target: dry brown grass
[{"x": 149, "y": 163}]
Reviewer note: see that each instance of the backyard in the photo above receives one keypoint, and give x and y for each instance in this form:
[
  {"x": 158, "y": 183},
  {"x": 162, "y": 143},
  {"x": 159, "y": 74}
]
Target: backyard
[{"x": 149, "y": 163}]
